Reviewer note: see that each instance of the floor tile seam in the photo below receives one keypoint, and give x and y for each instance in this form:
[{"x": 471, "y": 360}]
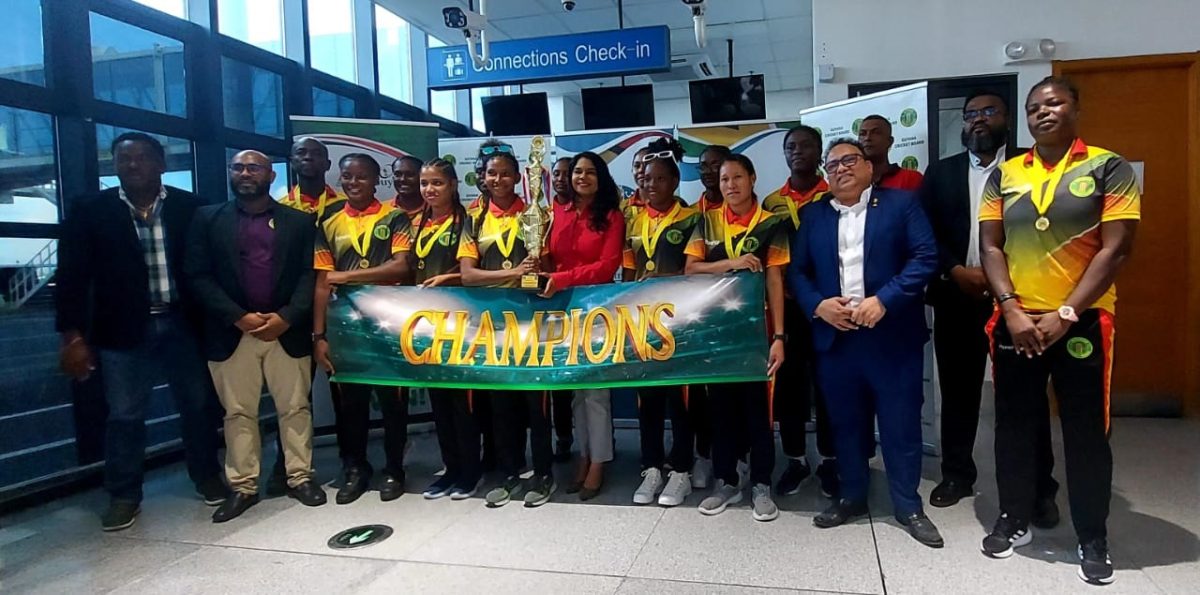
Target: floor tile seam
[
  {"x": 745, "y": 586},
  {"x": 878, "y": 556},
  {"x": 662, "y": 512}
]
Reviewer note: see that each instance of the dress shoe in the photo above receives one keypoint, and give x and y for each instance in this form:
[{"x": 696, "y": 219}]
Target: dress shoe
[
  {"x": 575, "y": 487},
  {"x": 234, "y": 506},
  {"x": 354, "y": 484},
  {"x": 922, "y": 529},
  {"x": 841, "y": 512},
  {"x": 586, "y": 493},
  {"x": 391, "y": 487},
  {"x": 1045, "y": 513},
  {"x": 308, "y": 493},
  {"x": 949, "y": 492}
]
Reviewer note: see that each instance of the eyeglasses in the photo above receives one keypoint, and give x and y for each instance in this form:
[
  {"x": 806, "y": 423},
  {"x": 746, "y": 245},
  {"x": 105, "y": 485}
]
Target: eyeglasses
[
  {"x": 648, "y": 157},
  {"x": 987, "y": 112},
  {"x": 493, "y": 149},
  {"x": 848, "y": 161},
  {"x": 253, "y": 168}
]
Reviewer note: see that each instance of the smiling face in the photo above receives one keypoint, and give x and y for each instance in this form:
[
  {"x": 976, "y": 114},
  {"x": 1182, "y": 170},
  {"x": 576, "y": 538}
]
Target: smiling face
[
  {"x": 358, "y": 180},
  {"x": 737, "y": 184},
  {"x": 1052, "y": 115},
  {"x": 661, "y": 183},
  {"x": 849, "y": 171},
  {"x": 710, "y": 169},
  {"x": 585, "y": 181},
  {"x": 500, "y": 177},
  {"x": 438, "y": 189},
  {"x": 406, "y": 176}
]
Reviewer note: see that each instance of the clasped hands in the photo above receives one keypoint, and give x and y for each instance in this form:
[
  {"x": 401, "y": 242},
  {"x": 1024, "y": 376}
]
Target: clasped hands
[
  {"x": 264, "y": 327},
  {"x": 838, "y": 312}
]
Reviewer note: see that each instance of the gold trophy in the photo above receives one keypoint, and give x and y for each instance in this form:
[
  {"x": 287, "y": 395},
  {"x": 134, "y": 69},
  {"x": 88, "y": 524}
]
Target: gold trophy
[{"x": 535, "y": 219}]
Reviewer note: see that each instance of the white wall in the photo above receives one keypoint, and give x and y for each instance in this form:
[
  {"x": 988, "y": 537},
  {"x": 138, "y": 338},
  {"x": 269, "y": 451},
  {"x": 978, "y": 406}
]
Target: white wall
[
  {"x": 878, "y": 40},
  {"x": 566, "y": 113},
  {"x": 781, "y": 105}
]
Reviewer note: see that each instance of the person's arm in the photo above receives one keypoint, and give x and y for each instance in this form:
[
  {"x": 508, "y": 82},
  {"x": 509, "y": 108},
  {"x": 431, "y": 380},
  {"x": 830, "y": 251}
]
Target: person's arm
[
  {"x": 603, "y": 268},
  {"x": 800, "y": 270},
  {"x": 921, "y": 265},
  {"x": 392, "y": 271},
  {"x": 198, "y": 270},
  {"x": 775, "y": 309},
  {"x": 320, "y": 307}
]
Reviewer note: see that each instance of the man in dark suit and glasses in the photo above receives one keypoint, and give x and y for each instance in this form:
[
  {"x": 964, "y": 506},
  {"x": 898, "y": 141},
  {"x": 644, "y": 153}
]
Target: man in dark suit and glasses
[
  {"x": 122, "y": 303},
  {"x": 959, "y": 295},
  {"x": 250, "y": 268}
]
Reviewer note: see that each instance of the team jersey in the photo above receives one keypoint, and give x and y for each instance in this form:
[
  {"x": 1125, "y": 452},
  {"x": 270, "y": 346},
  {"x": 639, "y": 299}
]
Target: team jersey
[
  {"x": 721, "y": 234},
  {"x": 434, "y": 245},
  {"x": 1052, "y": 216},
  {"x": 788, "y": 202},
  {"x": 413, "y": 214},
  {"x": 488, "y": 235},
  {"x": 655, "y": 241},
  {"x": 632, "y": 204},
  {"x": 901, "y": 178},
  {"x": 321, "y": 206},
  {"x": 350, "y": 239},
  {"x": 705, "y": 204}
]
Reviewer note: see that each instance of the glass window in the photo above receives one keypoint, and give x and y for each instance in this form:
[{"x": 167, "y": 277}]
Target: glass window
[
  {"x": 180, "y": 160},
  {"x": 328, "y": 103},
  {"x": 21, "y": 56},
  {"x": 253, "y": 98},
  {"x": 393, "y": 53},
  {"x": 134, "y": 67},
  {"x": 441, "y": 103},
  {"x": 28, "y": 179},
  {"x": 279, "y": 188},
  {"x": 477, "y": 96},
  {"x": 175, "y": 8},
  {"x": 331, "y": 37},
  {"x": 256, "y": 22}
]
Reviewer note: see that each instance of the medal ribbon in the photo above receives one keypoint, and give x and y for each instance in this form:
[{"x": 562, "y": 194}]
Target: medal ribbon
[
  {"x": 650, "y": 241},
  {"x": 423, "y": 251},
  {"x": 504, "y": 224},
  {"x": 361, "y": 238},
  {"x": 295, "y": 199},
  {"x": 1042, "y": 194},
  {"x": 730, "y": 251}
]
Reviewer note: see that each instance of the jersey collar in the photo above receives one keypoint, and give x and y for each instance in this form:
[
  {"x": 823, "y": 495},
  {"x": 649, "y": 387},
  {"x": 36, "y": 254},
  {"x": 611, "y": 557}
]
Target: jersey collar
[
  {"x": 1078, "y": 150},
  {"x": 518, "y": 205},
  {"x": 371, "y": 209},
  {"x": 742, "y": 220},
  {"x": 803, "y": 197}
]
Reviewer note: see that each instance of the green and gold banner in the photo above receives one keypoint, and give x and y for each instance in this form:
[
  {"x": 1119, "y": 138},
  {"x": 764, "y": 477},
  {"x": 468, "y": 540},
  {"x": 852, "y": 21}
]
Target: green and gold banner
[{"x": 674, "y": 330}]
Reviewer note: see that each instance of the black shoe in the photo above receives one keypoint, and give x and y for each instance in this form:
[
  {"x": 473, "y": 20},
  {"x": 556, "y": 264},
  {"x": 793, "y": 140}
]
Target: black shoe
[
  {"x": 308, "y": 493},
  {"x": 827, "y": 475},
  {"x": 354, "y": 483},
  {"x": 842, "y": 512},
  {"x": 120, "y": 515},
  {"x": 1045, "y": 513},
  {"x": 1095, "y": 567},
  {"x": 949, "y": 492},
  {"x": 234, "y": 506},
  {"x": 277, "y": 484},
  {"x": 441, "y": 487},
  {"x": 796, "y": 473},
  {"x": 392, "y": 486},
  {"x": 923, "y": 530},
  {"x": 562, "y": 451},
  {"x": 539, "y": 489},
  {"x": 213, "y": 491},
  {"x": 1008, "y": 535}
]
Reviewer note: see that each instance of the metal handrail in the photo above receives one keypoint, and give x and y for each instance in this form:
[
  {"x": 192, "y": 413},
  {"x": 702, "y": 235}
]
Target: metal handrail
[{"x": 34, "y": 275}]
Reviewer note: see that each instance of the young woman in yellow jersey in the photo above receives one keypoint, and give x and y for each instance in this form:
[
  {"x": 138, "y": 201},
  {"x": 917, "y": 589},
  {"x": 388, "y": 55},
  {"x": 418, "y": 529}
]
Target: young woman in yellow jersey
[{"x": 742, "y": 236}]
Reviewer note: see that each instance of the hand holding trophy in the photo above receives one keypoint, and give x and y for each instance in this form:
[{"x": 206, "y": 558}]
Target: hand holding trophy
[{"x": 535, "y": 219}]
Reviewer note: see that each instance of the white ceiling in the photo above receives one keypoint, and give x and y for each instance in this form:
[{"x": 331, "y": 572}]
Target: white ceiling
[{"x": 771, "y": 37}]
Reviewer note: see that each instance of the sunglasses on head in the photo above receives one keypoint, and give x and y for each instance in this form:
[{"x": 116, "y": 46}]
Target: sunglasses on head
[
  {"x": 493, "y": 149},
  {"x": 648, "y": 157}
]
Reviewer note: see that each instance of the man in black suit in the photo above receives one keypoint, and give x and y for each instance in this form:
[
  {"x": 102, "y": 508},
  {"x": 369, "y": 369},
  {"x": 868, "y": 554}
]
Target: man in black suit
[
  {"x": 951, "y": 196},
  {"x": 250, "y": 267},
  {"x": 121, "y": 301}
]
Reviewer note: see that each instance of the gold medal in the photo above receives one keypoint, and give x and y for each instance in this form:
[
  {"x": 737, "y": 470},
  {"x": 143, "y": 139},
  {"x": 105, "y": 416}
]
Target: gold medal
[
  {"x": 364, "y": 264},
  {"x": 421, "y": 265},
  {"x": 650, "y": 266},
  {"x": 506, "y": 265},
  {"x": 1042, "y": 224}
]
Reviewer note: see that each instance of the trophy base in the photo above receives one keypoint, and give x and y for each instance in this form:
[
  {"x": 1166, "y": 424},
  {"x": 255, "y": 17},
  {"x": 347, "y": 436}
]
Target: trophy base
[{"x": 533, "y": 282}]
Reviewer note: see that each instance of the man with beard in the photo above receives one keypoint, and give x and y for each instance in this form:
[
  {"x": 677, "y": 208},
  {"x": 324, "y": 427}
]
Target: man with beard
[
  {"x": 406, "y": 178},
  {"x": 310, "y": 160},
  {"x": 875, "y": 134},
  {"x": 250, "y": 267},
  {"x": 951, "y": 196}
]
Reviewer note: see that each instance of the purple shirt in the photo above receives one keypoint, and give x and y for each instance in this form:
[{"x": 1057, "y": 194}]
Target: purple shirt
[{"x": 256, "y": 249}]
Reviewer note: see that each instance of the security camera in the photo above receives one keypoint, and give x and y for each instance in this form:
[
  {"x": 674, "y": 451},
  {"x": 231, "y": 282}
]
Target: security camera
[
  {"x": 697, "y": 7},
  {"x": 463, "y": 20},
  {"x": 568, "y": 5}
]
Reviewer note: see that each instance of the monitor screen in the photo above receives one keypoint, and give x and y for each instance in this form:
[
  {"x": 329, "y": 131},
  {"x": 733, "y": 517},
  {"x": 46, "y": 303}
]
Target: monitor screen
[
  {"x": 516, "y": 114},
  {"x": 618, "y": 107},
  {"x": 728, "y": 99}
]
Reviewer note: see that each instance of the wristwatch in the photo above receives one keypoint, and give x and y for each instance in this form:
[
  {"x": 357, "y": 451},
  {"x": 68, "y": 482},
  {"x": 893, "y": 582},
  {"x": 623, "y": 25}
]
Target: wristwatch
[
  {"x": 1004, "y": 297},
  {"x": 318, "y": 337},
  {"x": 779, "y": 337},
  {"x": 1067, "y": 313}
]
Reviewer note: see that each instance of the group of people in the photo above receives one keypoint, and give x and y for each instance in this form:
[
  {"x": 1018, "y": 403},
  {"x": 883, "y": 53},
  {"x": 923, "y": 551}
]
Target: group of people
[{"x": 1015, "y": 249}]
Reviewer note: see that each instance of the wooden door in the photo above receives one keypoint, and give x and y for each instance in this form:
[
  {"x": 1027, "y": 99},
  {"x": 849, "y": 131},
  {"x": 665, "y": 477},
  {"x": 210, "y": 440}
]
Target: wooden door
[{"x": 1145, "y": 109}]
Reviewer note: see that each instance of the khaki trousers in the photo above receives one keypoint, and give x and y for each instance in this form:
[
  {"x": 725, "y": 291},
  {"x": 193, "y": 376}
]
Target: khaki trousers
[{"x": 239, "y": 382}]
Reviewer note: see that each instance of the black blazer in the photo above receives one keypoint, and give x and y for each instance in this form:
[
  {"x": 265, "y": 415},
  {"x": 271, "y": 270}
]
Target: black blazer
[
  {"x": 213, "y": 268},
  {"x": 946, "y": 196},
  {"x": 103, "y": 284}
]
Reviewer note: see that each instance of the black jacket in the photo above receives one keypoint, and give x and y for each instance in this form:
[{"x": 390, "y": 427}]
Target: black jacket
[
  {"x": 213, "y": 268},
  {"x": 946, "y": 196},
  {"x": 103, "y": 284}
]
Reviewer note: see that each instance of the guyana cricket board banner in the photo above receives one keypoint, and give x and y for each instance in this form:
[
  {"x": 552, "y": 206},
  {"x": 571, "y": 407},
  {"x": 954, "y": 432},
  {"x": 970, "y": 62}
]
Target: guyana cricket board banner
[
  {"x": 672, "y": 330},
  {"x": 905, "y": 107},
  {"x": 761, "y": 142},
  {"x": 385, "y": 140}
]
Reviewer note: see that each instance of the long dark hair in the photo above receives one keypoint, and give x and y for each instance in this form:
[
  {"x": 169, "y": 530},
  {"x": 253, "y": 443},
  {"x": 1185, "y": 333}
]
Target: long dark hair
[
  {"x": 608, "y": 196},
  {"x": 460, "y": 214}
]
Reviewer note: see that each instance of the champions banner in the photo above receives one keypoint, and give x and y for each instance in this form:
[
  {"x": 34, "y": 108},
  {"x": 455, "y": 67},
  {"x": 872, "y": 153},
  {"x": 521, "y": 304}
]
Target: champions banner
[{"x": 673, "y": 330}]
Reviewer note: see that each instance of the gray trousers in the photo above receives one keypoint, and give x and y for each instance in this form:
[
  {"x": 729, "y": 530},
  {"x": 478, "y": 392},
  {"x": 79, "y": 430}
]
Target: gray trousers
[{"x": 592, "y": 411}]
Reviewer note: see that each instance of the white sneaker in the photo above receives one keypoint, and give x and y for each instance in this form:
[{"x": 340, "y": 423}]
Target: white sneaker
[
  {"x": 679, "y": 487},
  {"x": 701, "y": 473},
  {"x": 652, "y": 484},
  {"x": 743, "y": 471}
]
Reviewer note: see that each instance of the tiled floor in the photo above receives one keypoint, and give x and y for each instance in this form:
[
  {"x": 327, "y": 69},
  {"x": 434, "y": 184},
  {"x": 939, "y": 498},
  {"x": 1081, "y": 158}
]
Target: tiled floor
[{"x": 607, "y": 545}]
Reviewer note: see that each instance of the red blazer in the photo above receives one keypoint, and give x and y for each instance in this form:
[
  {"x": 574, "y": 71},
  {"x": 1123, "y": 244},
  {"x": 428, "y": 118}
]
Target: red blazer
[{"x": 582, "y": 255}]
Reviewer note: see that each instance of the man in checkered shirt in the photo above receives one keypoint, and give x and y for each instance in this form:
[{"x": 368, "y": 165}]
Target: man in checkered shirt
[{"x": 122, "y": 308}]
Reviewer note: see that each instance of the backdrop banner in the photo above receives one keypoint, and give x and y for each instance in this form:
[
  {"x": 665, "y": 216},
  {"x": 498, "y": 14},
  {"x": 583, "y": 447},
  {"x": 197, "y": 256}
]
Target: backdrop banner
[
  {"x": 674, "y": 330},
  {"x": 617, "y": 147},
  {"x": 464, "y": 153},
  {"x": 906, "y": 107},
  {"x": 385, "y": 140},
  {"x": 762, "y": 143}
]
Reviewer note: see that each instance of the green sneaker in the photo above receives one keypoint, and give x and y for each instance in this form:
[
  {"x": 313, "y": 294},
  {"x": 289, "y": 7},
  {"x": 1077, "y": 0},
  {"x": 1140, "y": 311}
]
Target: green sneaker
[
  {"x": 501, "y": 494},
  {"x": 539, "y": 491}
]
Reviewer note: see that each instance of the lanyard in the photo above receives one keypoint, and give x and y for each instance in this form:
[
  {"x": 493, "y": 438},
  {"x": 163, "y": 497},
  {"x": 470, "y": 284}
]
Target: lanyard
[
  {"x": 504, "y": 224},
  {"x": 1042, "y": 194},
  {"x": 730, "y": 251},
  {"x": 295, "y": 199},
  {"x": 650, "y": 241},
  {"x": 423, "y": 251},
  {"x": 361, "y": 238}
]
